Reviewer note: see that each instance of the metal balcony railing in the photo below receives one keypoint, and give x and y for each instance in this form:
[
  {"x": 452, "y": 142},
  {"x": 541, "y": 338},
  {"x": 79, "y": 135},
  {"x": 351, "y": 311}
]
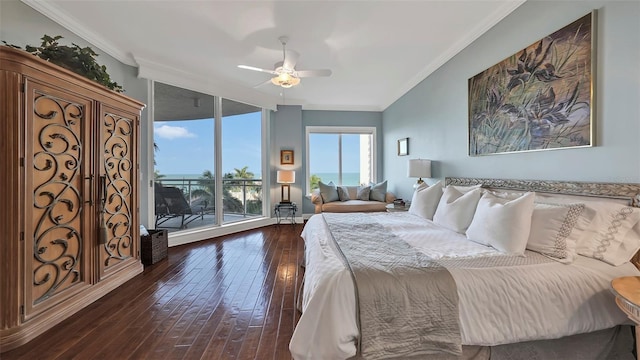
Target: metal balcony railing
[{"x": 241, "y": 196}]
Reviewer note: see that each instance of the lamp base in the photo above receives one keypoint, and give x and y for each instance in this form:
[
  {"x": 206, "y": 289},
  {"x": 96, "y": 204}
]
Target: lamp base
[{"x": 419, "y": 183}]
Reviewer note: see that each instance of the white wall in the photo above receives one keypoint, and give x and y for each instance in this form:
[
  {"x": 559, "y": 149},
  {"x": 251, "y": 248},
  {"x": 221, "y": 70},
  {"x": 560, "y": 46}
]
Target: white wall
[{"x": 434, "y": 114}]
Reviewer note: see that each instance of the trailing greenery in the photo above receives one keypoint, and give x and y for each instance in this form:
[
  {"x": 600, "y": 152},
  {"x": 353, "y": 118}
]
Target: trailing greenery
[{"x": 74, "y": 58}]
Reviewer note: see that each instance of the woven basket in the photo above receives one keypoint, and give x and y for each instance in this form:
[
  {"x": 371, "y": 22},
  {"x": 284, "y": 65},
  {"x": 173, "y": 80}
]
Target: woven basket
[{"x": 153, "y": 247}]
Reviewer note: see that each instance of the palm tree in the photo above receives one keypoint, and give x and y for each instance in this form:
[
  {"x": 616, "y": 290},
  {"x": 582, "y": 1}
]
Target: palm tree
[
  {"x": 243, "y": 173},
  {"x": 204, "y": 195}
]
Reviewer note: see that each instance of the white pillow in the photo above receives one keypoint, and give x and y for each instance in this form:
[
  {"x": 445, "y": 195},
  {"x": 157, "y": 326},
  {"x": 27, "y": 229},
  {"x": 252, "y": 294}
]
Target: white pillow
[
  {"x": 629, "y": 247},
  {"x": 464, "y": 188},
  {"x": 455, "y": 209},
  {"x": 425, "y": 200},
  {"x": 556, "y": 229},
  {"x": 501, "y": 223},
  {"x": 606, "y": 238}
]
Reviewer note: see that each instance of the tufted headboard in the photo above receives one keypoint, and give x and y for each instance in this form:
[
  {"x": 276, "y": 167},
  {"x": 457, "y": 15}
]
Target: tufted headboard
[{"x": 621, "y": 191}]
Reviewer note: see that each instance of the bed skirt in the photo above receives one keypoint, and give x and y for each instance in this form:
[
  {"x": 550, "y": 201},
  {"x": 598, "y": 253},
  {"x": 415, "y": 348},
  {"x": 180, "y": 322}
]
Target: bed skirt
[{"x": 610, "y": 344}]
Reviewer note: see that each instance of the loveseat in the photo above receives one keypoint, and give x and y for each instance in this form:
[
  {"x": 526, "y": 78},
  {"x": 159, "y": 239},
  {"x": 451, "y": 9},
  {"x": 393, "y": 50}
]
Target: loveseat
[{"x": 351, "y": 198}]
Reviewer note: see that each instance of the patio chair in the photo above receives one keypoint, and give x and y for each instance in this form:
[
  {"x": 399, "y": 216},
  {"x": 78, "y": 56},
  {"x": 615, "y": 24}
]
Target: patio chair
[{"x": 171, "y": 204}]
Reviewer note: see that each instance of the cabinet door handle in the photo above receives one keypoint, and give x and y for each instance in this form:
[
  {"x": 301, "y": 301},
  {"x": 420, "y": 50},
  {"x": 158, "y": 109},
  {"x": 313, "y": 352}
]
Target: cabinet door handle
[
  {"x": 90, "y": 200},
  {"x": 103, "y": 233}
]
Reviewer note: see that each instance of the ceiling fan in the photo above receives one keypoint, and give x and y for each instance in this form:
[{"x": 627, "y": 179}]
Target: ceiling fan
[{"x": 285, "y": 72}]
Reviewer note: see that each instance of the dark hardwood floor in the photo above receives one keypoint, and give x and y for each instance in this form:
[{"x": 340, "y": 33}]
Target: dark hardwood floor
[{"x": 231, "y": 297}]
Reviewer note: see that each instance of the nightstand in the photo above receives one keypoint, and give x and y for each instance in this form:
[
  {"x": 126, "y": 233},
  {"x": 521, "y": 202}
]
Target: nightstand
[
  {"x": 627, "y": 292},
  {"x": 394, "y": 208},
  {"x": 286, "y": 211}
]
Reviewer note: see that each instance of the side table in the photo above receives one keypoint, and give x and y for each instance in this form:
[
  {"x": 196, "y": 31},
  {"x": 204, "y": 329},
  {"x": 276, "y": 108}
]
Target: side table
[
  {"x": 286, "y": 211},
  {"x": 394, "y": 208},
  {"x": 627, "y": 292}
]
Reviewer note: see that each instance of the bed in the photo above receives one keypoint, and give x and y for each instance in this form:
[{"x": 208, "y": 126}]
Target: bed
[{"x": 490, "y": 300}]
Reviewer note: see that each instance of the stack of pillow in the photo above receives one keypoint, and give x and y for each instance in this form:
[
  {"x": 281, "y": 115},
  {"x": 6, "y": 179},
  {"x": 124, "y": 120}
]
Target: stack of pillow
[
  {"x": 373, "y": 192},
  {"x": 557, "y": 227}
]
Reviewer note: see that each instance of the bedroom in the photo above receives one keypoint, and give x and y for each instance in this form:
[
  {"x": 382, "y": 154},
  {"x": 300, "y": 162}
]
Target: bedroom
[{"x": 434, "y": 112}]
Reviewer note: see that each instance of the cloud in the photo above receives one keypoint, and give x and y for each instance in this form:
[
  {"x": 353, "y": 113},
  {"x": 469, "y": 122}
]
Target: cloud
[{"x": 173, "y": 132}]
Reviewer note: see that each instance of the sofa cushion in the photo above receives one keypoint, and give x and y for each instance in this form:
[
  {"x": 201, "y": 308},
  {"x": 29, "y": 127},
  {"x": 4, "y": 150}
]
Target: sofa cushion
[
  {"x": 328, "y": 192},
  {"x": 378, "y": 191},
  {"x": 354, "y": 206}
]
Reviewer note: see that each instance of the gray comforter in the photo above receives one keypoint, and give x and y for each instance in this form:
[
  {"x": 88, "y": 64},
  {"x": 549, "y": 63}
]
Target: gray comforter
[{"x": 407, "y": 303}]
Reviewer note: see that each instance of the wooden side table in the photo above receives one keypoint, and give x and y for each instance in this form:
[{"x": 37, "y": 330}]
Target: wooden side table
[{"x": 627, "y": 292}]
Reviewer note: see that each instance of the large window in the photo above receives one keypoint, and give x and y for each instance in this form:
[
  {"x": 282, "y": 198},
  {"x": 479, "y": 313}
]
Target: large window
[
  {"x": 198, "y": 157},
  {"x": 342, "y": 155}
]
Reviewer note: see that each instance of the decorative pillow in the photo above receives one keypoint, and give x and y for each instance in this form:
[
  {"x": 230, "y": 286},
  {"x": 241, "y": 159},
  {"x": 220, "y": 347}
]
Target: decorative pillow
[
  {"x": 606, "y": 238},
  {"x": 328, "y": 192},
  {"x": 556, "y": 228},
  {"x": 465, "y": 189},
  {"x": 455, "y": 209},
  {"x": 378, "y": 192},
  {"x": 343, "y": 193},
  {"x": 425, "y": 200},
  {"x": 501, "y": 223},
  {"x": 629, "y": 247},
  {"x": 363, "y": 193}
]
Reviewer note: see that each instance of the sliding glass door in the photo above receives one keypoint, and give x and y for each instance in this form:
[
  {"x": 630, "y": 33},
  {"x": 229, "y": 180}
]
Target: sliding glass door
[{"x": 241, "y": 160}]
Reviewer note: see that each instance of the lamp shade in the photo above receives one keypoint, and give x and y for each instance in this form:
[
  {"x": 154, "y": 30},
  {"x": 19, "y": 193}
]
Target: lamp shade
[
  {"x": 286, "y": 177},
  {"x": 420, "y": 168}
]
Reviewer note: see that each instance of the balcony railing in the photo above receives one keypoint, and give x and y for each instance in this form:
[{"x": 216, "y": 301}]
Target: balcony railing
[{"x": 241, "y": 196}]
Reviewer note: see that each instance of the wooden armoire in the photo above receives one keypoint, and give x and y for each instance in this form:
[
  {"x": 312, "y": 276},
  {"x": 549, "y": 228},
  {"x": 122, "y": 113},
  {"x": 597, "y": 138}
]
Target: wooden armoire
[{"x": 69, "y": 226}]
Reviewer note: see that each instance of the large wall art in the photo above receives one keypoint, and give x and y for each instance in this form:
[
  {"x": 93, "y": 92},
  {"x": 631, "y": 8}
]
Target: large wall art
[{"x": 539, "y": 98}]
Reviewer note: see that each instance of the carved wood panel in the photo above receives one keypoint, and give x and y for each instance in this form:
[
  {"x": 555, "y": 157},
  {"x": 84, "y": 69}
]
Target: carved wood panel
[
  {"x": 118, "y": 176},
  {"x": 56, "y": 164}
]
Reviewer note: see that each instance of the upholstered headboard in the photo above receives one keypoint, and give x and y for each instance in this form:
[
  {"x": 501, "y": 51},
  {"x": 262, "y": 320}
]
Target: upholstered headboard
[{"x": 621, "y": 191}]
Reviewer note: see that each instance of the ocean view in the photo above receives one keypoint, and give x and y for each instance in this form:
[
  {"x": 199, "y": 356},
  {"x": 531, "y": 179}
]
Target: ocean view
[{"x": 347, "y": 178}]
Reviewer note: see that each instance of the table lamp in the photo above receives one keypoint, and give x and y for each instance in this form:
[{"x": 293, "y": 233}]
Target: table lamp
[
  {"x": 419, "y": 168},
  {"x": 286, "y": 177}
]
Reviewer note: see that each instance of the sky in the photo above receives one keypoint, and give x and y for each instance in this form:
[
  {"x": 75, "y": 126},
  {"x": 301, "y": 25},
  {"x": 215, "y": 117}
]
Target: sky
[{"x": 186, "y": 147}]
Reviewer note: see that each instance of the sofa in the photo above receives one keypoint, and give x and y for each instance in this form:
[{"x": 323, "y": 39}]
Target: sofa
[{"x": 351, "y": 198}]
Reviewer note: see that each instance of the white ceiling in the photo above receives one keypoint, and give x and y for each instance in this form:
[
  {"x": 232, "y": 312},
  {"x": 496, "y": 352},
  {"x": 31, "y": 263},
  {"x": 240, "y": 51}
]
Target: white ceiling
[{"x": 377, "y": 50}]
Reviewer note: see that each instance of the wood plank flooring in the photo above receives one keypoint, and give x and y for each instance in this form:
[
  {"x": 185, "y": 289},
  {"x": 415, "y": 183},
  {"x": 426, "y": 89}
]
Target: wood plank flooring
[{"x": 231, "y": 297}]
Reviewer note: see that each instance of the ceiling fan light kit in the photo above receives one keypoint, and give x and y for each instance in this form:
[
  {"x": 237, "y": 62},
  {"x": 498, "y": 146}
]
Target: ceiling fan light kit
[
  {"x": 285, "y": 80},
  {"x": 285, "y": 73}
]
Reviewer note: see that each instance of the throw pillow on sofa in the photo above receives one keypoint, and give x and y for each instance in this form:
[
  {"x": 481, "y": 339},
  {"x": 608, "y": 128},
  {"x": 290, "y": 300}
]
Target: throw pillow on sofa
[
  {"x": 378, "y": 192},
  {"x": 343, "y": 193},
  {"x": 328, "y": 192},
  {"x": 363, "y": 192}
]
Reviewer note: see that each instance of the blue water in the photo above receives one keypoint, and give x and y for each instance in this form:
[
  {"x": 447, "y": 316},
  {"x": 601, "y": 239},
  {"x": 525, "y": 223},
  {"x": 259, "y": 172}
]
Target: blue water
[{"x": 347, "y": 178}]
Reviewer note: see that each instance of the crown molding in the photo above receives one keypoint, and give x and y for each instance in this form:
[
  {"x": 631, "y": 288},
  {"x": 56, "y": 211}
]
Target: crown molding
[
  {"x": 53, "y": 12},
  {"x": 455, "y": 48},
  {"x": 205, "y": 84}
]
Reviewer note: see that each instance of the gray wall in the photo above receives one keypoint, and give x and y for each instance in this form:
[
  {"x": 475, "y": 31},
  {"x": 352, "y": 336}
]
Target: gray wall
[
  {"x": 434, "y": 113},
  {"x": 288, "y": 127}
]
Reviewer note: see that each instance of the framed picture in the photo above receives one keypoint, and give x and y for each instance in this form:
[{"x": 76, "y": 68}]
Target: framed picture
[
  {"x": 403, "y": 147},
  {"x": 539, "y": 98},
  {"x": 286, "y": 157}
]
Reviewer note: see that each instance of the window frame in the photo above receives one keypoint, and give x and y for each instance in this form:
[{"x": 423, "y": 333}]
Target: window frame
[{"x": 370, "y": 130}]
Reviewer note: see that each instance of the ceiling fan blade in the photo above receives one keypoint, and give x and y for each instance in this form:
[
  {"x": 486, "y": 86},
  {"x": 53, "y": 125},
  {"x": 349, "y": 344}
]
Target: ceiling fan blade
[
  {"x": 313, "y": 73},
  {"x": 290, "y": 59},
  {"x": 257, "y": 69},
  {"x": 262, "y": 84}
]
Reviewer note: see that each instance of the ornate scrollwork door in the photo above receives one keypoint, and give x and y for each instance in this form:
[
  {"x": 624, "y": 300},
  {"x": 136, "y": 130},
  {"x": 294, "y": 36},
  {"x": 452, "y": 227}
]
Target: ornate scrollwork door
[
  {"x": 57, "y": 190},
  {"x": 118, "y": 177}
]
